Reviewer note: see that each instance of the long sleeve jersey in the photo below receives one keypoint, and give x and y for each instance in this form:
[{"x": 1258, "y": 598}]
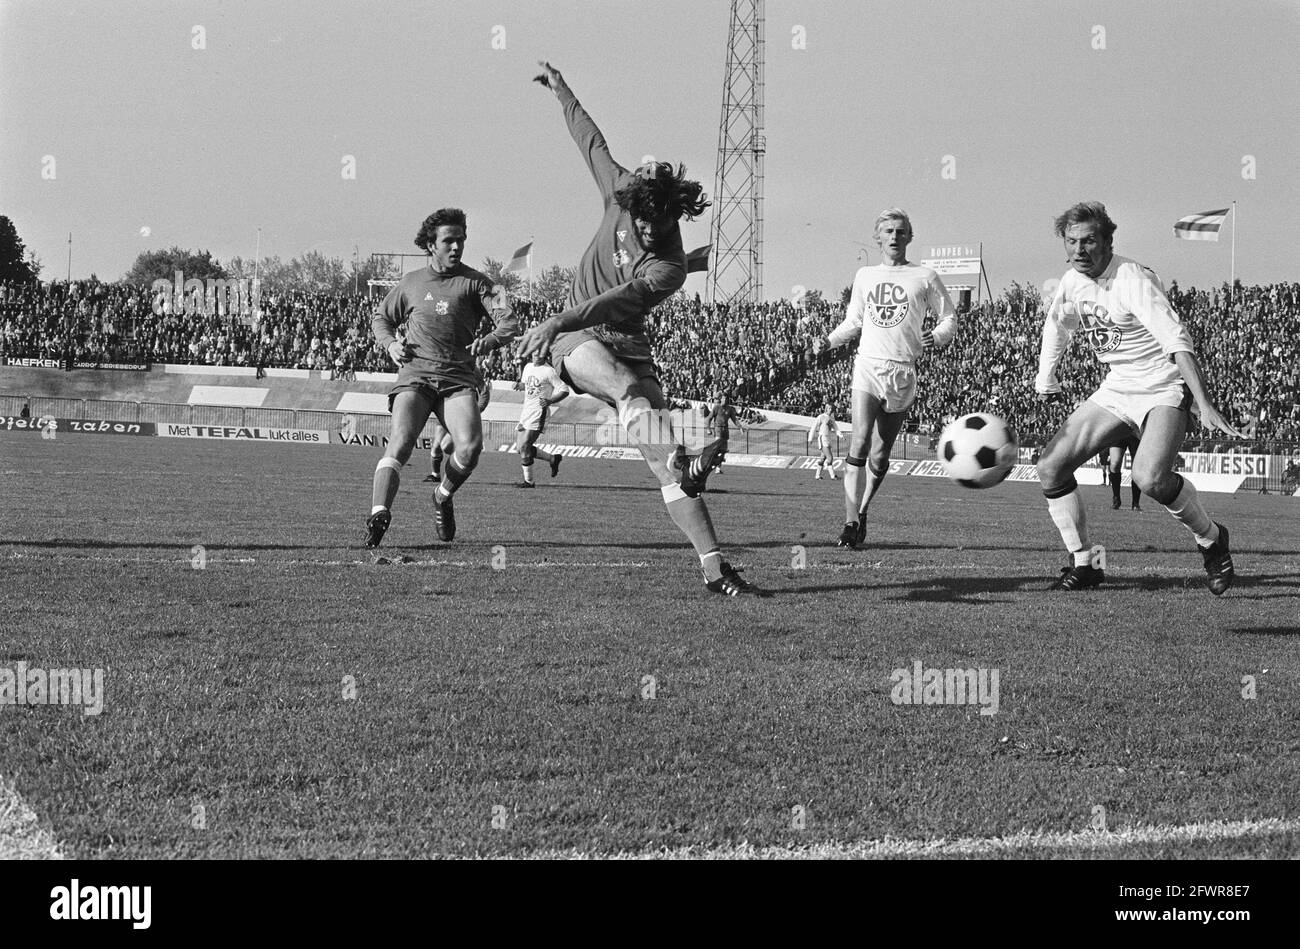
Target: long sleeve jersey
[
  {"x": 888, "y": 306},
  {"x": 618, "y": 281},
  {"x": 441, "y": 313},
  {"x": 1130, "y": 323}
]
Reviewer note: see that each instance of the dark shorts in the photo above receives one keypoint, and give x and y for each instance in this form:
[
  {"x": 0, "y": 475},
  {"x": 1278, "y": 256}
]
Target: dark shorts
[
  {"x": 632, "y": 351},
  {"x": 434, "y": 387}
]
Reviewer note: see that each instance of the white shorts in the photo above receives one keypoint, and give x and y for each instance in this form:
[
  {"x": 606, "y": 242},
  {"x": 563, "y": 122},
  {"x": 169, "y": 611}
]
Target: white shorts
[
  {"x": 532, "y": 420},
  {"x": 1132, "y": 401},
  {"x": 893, "y": 383}
]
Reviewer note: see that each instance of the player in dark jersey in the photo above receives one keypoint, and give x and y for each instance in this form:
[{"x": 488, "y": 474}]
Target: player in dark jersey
[
  {"x": 599, "y": 344},
  {"x": 441, "y": 307},
  {"x": 718, "y": 423},
  {"x": 1114, "y": 463}
]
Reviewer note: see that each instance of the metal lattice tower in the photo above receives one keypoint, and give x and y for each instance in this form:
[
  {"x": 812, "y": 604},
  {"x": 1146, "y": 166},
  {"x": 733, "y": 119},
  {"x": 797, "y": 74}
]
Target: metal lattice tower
[{"x": 736, "y": 231}]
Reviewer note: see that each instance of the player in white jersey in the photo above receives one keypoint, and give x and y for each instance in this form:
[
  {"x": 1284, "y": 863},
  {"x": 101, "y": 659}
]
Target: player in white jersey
[
  {"x": 888, "y": 306},
  {"x": 823, "y": 428},
  {"x": 542, "y": 388},
  {"x": 1153, "y": 378}
]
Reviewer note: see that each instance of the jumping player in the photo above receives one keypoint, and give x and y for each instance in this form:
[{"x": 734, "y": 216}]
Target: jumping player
[
  {"x": 1114, "y": 464},
  {"x": 823, "y": 427},
  {"x": 1153, "y": 378},
  {"x": 888, "y": 305},
  {"x": 542, "y": 388},
  {"x": 441, "y": 306},
  {"x": 599, "y": 343}
]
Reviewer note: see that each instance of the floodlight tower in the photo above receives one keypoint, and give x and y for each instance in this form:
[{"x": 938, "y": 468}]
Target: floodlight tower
[{"x": 736, "y": 230}]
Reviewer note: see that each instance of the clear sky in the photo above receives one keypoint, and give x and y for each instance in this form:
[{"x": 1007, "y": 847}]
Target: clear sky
[{"x": 203, "y": 146}]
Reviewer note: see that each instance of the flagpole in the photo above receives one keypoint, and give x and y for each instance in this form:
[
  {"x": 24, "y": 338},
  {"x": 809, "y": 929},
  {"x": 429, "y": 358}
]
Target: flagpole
[{"x": 1232, "y": 279}]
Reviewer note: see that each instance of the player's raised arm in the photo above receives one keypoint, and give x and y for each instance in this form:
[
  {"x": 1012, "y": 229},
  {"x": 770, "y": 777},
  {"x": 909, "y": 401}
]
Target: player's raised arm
[{"x": 591, "y": 143}]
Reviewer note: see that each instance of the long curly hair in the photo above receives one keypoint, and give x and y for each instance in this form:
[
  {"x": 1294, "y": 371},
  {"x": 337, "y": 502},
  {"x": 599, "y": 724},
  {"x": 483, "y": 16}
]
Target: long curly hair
[
  {"x": 660, "y": 191},
  {"x": 443, "y": 217}
]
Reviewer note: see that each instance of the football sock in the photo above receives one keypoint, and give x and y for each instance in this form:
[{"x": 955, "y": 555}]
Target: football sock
[
  {"x": 437, "y": 458},
  {"x": 711, "y": 564},
  {"x": 1115, "y": 478},
  {"x": 528, "y": 472},
  {"x": 376, "y": 509},
  {"x": 543, "y": 455},
  {"x": 1067, "y": 514},
  {"x": 854, "y": 475},
  {"x": 387, "y": 478},
  {"x": 692, "y": 519},
  {"x": 1135, "y": 491},
  {"x": 1082, "y": 558},
  {"x": 1186, "y": 509},
  {"x": 453, "y": 479}
]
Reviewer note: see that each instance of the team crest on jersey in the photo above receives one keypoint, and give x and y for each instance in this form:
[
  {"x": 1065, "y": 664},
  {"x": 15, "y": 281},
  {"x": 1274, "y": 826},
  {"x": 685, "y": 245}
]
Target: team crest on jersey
[
  {"x": 887, "y": 304},
  {"x": 1103, "y": 335},
  {"x": 441, "y": 308},
  {"x": 621, "y": 258}
]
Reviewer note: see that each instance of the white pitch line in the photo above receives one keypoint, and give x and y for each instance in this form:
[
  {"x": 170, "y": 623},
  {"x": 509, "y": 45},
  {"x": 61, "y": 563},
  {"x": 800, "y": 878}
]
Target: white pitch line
[
  {"x": 21, "y": 834},
  {"x": 892, "y": 848}
]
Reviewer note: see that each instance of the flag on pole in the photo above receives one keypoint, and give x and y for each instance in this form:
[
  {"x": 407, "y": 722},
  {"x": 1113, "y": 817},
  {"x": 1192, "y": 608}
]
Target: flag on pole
[
  {"x": 698, "y": 259},
  {"x": 1201, "y": 227},
  {"x": 522, "y": 259}
]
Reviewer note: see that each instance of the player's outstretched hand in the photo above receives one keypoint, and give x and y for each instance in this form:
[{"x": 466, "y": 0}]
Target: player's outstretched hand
[
  {"x": 399, "y": 352},
  {"x": 550, "y": 77},
  {"x": 536, "y": 340},
  {"x": 927, "y": 340},
  {"x": 1210, "y": 418}
]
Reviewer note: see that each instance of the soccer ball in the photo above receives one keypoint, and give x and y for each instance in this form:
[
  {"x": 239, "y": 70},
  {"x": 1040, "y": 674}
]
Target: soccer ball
[{"x": 978, "y": 450}]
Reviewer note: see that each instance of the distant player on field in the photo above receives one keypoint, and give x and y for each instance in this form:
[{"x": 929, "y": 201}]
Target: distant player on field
[
  {"x": 718, "y": 424},
  {"x": 441, "y": 307},
  {"x": 543, "y": 388},
  {"x": 1153, "y": 378},
  {"x": 1114, "y": 465},
  {"x": 599, "y": 342},
  {"x": 823, "y": 428},
  {"x": 888, "y": 306}
]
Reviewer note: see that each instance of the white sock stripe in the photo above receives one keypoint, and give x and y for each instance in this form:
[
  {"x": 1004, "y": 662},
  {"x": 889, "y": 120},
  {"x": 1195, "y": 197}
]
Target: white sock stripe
[
  {"x": 672, "y": 492},
  {"x": 387, "y": 462}
]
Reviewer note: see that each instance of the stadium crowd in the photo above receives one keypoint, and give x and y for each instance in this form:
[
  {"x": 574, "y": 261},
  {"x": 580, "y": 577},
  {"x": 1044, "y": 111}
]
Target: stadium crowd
[{"x": 767, "y": 356}]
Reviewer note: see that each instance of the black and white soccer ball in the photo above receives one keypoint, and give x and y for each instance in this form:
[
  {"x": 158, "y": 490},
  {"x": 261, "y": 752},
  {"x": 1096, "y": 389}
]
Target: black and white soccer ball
[{"x": 978, "y": 450}]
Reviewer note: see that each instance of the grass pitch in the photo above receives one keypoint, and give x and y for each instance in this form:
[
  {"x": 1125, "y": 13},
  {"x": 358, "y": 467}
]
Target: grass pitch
[{"x": 297, "y": 697}]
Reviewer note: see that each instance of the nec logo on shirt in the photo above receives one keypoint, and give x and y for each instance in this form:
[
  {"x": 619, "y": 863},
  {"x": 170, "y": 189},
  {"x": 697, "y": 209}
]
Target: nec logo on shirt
[{"x": 887, "y": 303}]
